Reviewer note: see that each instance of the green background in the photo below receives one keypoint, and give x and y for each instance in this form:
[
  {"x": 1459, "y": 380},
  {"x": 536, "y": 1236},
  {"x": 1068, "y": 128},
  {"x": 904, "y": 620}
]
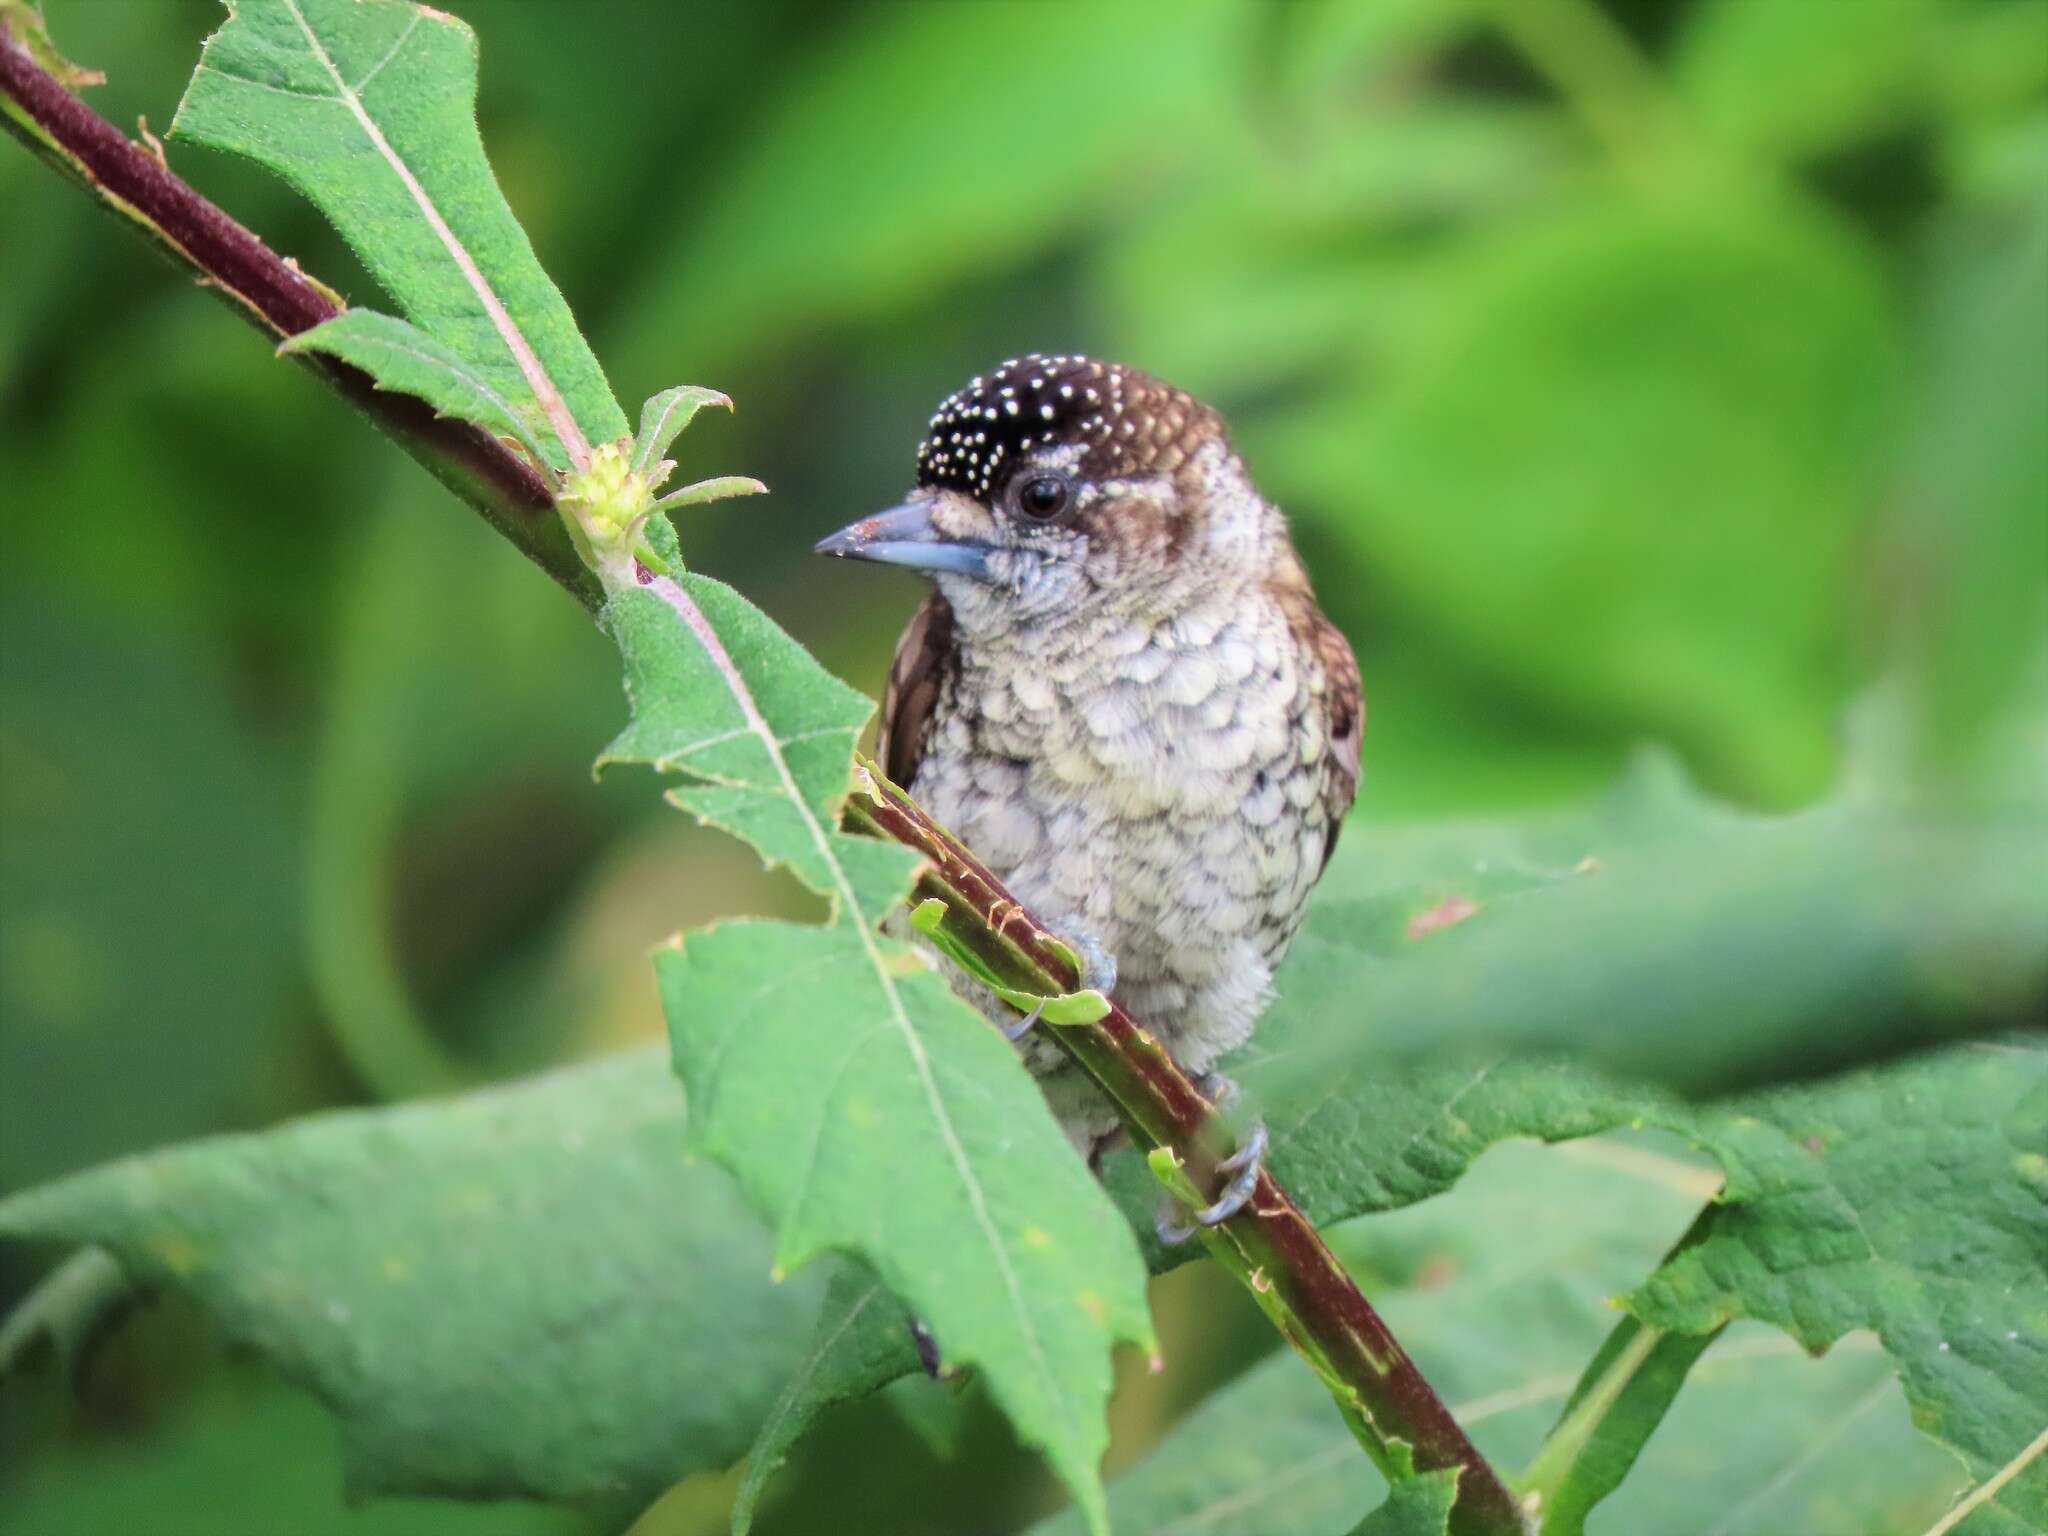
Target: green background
[{"x": 1663, "y": 372}]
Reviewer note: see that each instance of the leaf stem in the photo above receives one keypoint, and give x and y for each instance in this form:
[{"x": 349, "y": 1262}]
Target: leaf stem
[
  {"x": 1271, "y": 1244},
  {"x": 1620, "y": 1399},
  {"x": 272, "y": 293}
]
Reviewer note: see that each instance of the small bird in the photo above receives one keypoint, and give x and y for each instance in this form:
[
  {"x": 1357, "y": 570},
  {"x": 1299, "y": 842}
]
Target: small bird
[{"x": 1123, "y": 698}]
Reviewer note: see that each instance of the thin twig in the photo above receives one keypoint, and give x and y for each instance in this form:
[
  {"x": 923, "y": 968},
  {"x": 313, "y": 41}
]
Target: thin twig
[
  {"x": 271, "y": 291},
  {"x": 1274, "y": 1240}
]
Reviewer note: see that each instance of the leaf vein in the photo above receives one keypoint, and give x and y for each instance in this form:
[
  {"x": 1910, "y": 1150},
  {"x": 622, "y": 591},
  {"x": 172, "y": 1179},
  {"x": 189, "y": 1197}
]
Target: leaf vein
[
  {"x": 264, "y": 85},
  {"x": 523, "y": 355},
  {"x": 389, "y": 54},
  {"x": 956, "y": 1152}
]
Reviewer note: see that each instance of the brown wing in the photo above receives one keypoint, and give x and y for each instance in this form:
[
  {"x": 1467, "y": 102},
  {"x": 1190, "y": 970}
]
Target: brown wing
[
  {"x": 1344, "y": 720},
  {"x": 1324, "y": 649},
  {"x": 924, "y": 664}
]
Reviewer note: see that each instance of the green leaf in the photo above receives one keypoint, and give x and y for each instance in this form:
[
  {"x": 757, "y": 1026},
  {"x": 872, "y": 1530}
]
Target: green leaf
[
  {"x": 1500, "y": 1289},
  {"x": 1796, "y": 80},
  {"x": 1353, "y": 1133},
  {"x": 860, "y": 1345},
  {"x": 1864, "y": 920},
  {"x": 664, "y": 417},
  {"x": 148, "y": 920},
  {"x": 1415, "y": 1506},
  {"x": 368, "y": 107},
  {"x": 1913, "y": 1202},
  {"x": 240, "y": 1451},
  {"x": 1818, "y": 1447},
  {"x": 497, "y": 1293},
  {"x": 1669, "y": 425},
  {"x": 1621, "y": 1399},
  {"x": 862, "y": 1106},
  {"x": 406, "y": 359},
  {"x": 933, "y": 199},
  {"x": 717, "y": 488},
  {"x": 1874, "y": 929}
]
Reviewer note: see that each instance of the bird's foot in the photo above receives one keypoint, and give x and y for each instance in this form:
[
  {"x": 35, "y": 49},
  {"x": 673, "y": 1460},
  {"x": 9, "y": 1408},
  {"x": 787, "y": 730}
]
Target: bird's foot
[
  {"x": 1097, "y": 971},
  {"x": 1240, "y": 1171}
]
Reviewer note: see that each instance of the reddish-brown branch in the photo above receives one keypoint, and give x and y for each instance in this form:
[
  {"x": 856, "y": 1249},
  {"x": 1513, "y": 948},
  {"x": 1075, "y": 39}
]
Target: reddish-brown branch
[
  {"x": 274, "y": 294},
  {"x": 1160, "y": 1102}
]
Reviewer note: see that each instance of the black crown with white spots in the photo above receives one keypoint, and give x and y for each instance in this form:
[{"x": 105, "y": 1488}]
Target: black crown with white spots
[{"x": 1127, "y": 422}]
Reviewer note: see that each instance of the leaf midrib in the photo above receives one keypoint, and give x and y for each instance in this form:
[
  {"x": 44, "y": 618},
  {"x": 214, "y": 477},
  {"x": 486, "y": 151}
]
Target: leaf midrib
[
  {"x": 523, "y": 355},
  {"x": 849, "y": 906}
]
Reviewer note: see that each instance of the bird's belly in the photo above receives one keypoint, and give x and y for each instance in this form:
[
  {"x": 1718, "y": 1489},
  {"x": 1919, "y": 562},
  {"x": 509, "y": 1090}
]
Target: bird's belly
[{"x": 1185, "y": 863}]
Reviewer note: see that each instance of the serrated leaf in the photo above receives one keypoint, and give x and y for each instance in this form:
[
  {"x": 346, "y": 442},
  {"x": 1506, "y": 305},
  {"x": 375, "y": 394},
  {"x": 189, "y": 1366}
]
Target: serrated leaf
[
  {"x": 1352, "y": 1134},
  {"x": 1913, "y": 1202},
  {"x": 368, "y": 108},
  {"x": 1415, "y": 1506},
  {"x": 1499, "y": 1289},
  {"x": 1938, "y": 1149},
  {"x": 406, "y": 359},
  {"x": 496, "y": 1293},
  {"x": 862, "y": 1106}
]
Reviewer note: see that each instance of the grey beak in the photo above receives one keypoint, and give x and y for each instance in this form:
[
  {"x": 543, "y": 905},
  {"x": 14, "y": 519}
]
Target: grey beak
[{"x": 904, "y": 536}]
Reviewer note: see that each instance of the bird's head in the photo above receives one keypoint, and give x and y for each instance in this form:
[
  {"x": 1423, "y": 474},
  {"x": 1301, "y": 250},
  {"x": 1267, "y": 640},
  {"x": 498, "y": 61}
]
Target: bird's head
[{"x": 1059, "y": 483}]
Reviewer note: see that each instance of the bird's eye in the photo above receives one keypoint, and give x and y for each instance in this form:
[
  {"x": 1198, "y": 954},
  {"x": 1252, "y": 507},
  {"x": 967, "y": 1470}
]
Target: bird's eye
[{"x": 1042, "y": 497}]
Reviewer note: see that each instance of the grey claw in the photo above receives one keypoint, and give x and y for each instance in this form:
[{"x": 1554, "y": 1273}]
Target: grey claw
[
  {"x": 1022, "y": 1027},
  {"x": 1244, "y": 1165},
  {"x": 1171, "y": 1232},
  {"x": 1248, "y": 1155}
]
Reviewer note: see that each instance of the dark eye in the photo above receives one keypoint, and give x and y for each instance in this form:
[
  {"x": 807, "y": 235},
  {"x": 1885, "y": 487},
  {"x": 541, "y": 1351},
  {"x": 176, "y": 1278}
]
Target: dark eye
[{"x": 1042, "y": 497}]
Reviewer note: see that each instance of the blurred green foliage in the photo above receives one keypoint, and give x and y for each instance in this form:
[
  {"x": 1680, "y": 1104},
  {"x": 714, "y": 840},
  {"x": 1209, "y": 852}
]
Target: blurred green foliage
[{"x": 1675, "y": 370}]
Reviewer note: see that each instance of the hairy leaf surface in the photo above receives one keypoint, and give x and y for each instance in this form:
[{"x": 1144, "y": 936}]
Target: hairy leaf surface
[
  {"x": 1730, "y": 948},
  {"x": 520, "y": 1292},
  {"x": 1913, "y": 1202},
  {"x": 405, "y": 358},
  {"x": 1500, "y": 1290},
  {"x": 859, "y": 1346},
  {"x": 368, "y": 108}
]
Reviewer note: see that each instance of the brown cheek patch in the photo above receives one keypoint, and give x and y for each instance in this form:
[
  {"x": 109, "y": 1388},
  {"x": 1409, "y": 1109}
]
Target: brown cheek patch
[{"x": 1135, "y": 527}]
